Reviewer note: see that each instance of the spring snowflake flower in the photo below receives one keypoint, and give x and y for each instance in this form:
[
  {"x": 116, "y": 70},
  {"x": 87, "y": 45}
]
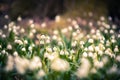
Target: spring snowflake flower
[
  {"x": 85, "y": 54},
  {"x": 90, "y": 40},
  {"x": 3, "y": 36},
  {"x": 40, "y": 74},
  {"x": 21, "y": 64},
  {"x": 117, "y": 58},
  {"x": 35, "y": 63},
  {"x": 60, "y": 65},
  {"x": 83, "y": 70},
  {"x": 9, "y": 46},
  {"x": 98, "y": 64},
  {"x": 10, "y": 63},
  {"x": 43, "y": 25},
  {"x": 23, "y": 49},
  {"x": 15, "y": 53},
  {"x": 116, "y": 49},
  {"x": 65, "y": 30},
  {"x": 6, "y": 17},
  {"x": 19, "y": 18},
  {"x": 57, "y": 18},
  {"x": 22, "y": 30},
  {"x": 18, "y": 42}
]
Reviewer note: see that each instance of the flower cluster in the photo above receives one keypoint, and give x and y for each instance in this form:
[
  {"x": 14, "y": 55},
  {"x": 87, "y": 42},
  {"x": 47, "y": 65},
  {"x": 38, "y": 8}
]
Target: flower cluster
[{"x": 70, "y": 53}]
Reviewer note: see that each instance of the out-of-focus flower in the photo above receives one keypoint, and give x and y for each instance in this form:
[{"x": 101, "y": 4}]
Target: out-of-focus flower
[
  {"x": 60, "y": 65},
  {"x": 83, "y": 70},
  {"x": 90, "y": 40},
  {"x": 40, "y": 74},
  {"x": 9, "y": 46},
  {"x": 35, "y": 63},
  {"x": 10, "y": 63},
  {"x": 57, "y": 18}
]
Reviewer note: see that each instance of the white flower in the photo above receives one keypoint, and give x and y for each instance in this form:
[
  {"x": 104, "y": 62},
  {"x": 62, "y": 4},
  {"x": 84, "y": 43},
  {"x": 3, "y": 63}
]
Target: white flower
[
  {"x": 42, "y": 37},
  {"x": 19, "y": 18},
  {"x": 55, "y": 32},
  {"x": 90, "y": 54},
  {"x": 60, "y": 43},
  {"x": 83, "y": 70},
  {"x": 65, "y": 30},
  {"x": 40, "y": 73},
  {"x": 15, "y": 53},
  {"x": 105, "y": 31},
  {"x": 53, "y": 56},
  {"x": 72, "y": 51},
  {"x": 74, "y": 43},
  {"x": 74, "y": 34},
  {"x": 3, "y": 51},
  {"x": 62, "y": 52},
  {"x": 55, "y": 48},
  {"x": 9, "y": 46},
  {"x": 42, "y": 42},
  {"x": 118, "y": 58},
  {"x": 82, "y": 42},
  {"x": 49, "y": 49},
  {"x": 31, "y": 21},
  {"x": 102, "y": 18},
  {"x": 113, "y": 40},
  {"x": 23, "y": 49},
  {"x": 48, "y": 41},
  {"x": 85, "y": 54},
  {"x": 25, "y": 42},
  {"x": 70, "y": 28},
  {"x": 113, "y": 69},
  {"x": 19, "y": 42},
  {"x": 21, "y": 64},
  {"x": 90, "y": 40},
  {"x": 10, "y": 63},
  {"x": 54, "y": 37},
  {"x": 114, "y": 26},
  {"x": 22, "y": 30},
  {"x": 32, "y": 25},
  {"x": 93, "y": 31},
  {"x": 5, "y": 26},
  {"x": 98, "y": 64},
  {"x": 3, "y": 36},
  {"x": 6, "y": 17},
  {"x": 111, "y": 31},
  {"x": 35, "y": 63},
  {"x": 0, "y": 46},
  {"x": 30, "y": 48},
  {"x": 116, "y": 49},
  {"x": 57, "y": 18},
  {"x": 43, "y": 25},
  {"x": 90, "y": 48},
  {"x": 60, "y": 65}
]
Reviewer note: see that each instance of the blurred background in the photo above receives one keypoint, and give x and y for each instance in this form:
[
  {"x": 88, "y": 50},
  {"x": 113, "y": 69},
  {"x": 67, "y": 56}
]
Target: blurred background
[{"x": 42, "y": 9}]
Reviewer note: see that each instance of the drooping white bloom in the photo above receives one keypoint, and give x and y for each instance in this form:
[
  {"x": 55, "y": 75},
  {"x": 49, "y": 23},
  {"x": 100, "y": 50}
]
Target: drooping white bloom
[
  {"x": 35, "y": 63},
  {"x": 57, "y": 18},
  {"x": 43, "y": 25},
  {"x": 60, "y": 65},
  {"x": 10, "y": 63},
  {"x": 83, "y": 70},
  {"x": 40, "y": 74},
  {"x": 23, "y": 49},
  {"x": 117, "y": 58},
  {"x": 90, "y": 40},
  {"x": 19, "y": 18},
  {"x": 85, "y": 54},
  {"x": 9, "y": 46},
  {"x": 15, "y": 53}
]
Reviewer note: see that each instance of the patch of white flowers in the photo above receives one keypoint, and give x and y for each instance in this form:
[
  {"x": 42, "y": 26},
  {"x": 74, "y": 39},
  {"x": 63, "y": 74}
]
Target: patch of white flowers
[{"x": 66, "y": 50}]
